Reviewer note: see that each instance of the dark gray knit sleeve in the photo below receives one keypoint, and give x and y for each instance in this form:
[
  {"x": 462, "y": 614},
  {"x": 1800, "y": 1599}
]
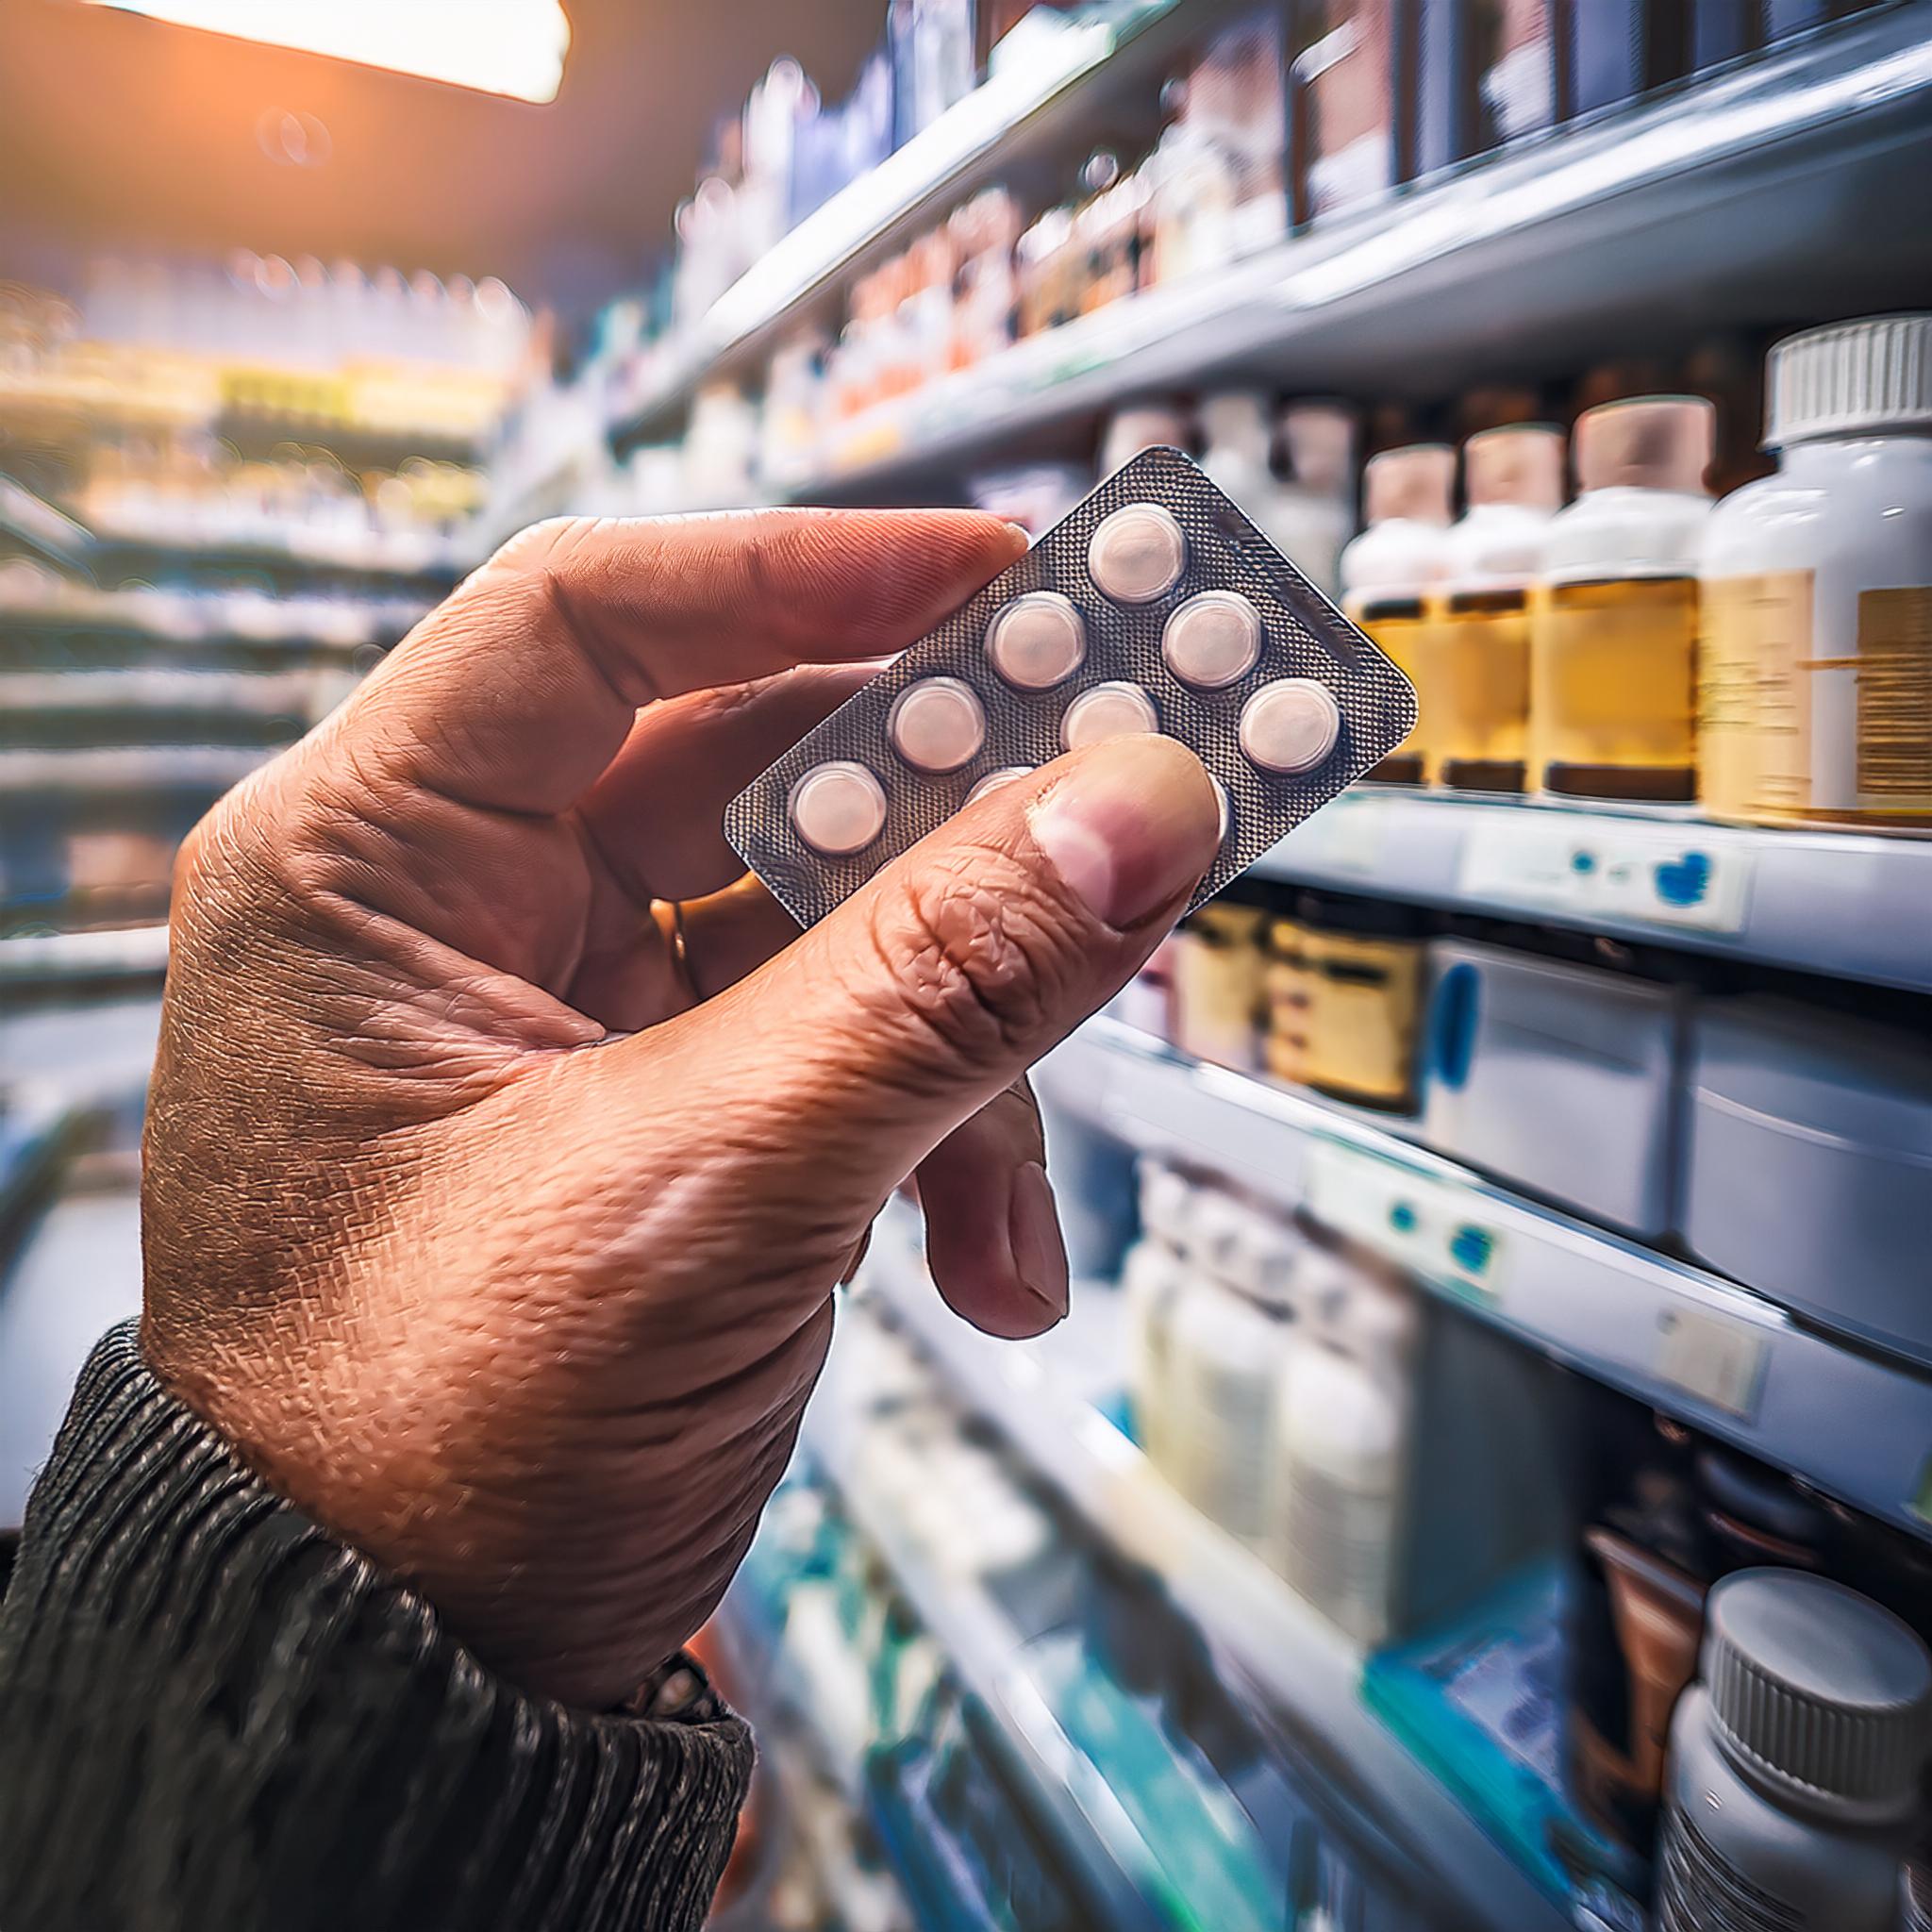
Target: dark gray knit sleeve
[{"x": 214, "y": 1715}]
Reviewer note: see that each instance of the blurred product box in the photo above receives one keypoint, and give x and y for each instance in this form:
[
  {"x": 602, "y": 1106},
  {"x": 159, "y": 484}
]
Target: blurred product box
[
  {"x": 1563, "y": 1078},
  {"x": 1488, "y": 73},
  {"x": 1351, "y": 77},
  {"x": 1810, "y": 1164}
]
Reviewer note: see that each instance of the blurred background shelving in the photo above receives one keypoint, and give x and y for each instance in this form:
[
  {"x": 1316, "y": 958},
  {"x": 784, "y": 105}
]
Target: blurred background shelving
[{"x": 1453, "y": 1235}]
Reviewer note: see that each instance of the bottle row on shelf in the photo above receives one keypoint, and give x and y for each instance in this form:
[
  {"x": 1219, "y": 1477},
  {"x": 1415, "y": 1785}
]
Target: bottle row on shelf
[
  {"x": 1010, "y": 1702},
  {"x": 182, "y": 610},
  {"x": 1400, "y": 1467},
  {"x": 1777, "y": 1129},
  {"x": 315, "y": 349},
  {"x": 1276, "y": 115}
]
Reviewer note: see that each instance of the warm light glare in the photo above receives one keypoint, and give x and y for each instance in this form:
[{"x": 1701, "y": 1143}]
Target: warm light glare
[{"x": 512, "y": 47}]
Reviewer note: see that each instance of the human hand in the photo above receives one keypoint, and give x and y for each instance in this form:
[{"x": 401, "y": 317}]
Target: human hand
[{"x": 495, "y": 1222}]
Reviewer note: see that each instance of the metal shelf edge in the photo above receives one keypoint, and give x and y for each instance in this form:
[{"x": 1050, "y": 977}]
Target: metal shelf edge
[{"x": 1721, "y": 1356}]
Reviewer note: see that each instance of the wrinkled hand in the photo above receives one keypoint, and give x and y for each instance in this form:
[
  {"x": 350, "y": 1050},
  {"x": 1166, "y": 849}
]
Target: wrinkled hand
[{"x": 498, "y": 1230}]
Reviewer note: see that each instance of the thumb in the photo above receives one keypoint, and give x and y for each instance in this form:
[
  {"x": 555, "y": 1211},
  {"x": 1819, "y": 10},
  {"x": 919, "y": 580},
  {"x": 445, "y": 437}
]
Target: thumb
[{"x": 935, "y": 986}]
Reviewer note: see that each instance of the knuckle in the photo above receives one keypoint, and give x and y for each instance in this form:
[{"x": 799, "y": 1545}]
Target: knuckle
[{"x": 981, "y": 956}]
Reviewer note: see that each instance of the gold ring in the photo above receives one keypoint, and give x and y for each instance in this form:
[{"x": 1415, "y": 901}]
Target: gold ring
[{"x": 680, "y": 953}]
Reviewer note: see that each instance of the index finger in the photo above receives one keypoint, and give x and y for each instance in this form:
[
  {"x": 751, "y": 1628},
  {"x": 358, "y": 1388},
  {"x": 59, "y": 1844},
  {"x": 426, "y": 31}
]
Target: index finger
[{"x": 518, "y": 692}]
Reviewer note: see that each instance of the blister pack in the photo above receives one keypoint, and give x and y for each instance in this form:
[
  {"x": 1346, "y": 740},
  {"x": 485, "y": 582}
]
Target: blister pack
[{"x": 1154, "y": 605}]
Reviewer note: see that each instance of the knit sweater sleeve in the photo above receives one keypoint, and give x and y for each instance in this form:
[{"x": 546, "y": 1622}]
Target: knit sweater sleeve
[{"x": 213, "y": 1714}]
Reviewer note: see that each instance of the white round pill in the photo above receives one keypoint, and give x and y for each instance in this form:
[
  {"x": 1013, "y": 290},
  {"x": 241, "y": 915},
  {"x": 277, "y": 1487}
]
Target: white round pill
[
  {"x": 838, "y": 808},
  {"x": 993, "y": 780},
  {"x": 1137, "y": 554},
  {"x": 1037, "y": 641},
  {"x": 1109, "y": 711},
  {"x": 1212, "y": 640},
  {"x": 937, "y": 724},
  {"x": 1291, "y": 725}
]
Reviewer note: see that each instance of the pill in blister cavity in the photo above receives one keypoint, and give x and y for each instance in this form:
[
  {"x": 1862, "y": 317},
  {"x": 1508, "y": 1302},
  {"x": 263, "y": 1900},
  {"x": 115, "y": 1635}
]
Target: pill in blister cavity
[
  {"x": 937, "y": 724},
  {"x": 1109, "y": 711},
  {"x": 1154, "y": 605},
  {"x": 1291, "y": 725},
  {"x": 839, "y": 807},
  {"x": 1137, "y": 554},
  {"x": 1037, "y": 641},
  {"x": 993, "y": 780},
  {"x": 1213, "y": 640}
]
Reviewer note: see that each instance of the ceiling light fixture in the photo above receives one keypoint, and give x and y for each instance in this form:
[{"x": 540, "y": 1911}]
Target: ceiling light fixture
[{"x": 513, "y": 48}]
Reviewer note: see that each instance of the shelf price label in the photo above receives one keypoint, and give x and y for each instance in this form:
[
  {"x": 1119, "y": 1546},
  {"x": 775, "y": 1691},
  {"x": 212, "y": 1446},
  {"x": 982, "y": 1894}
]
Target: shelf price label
[
  {"x": 1717, "y": 1360},
  {"x": 1435, "y": 1229},
  {"x": 1589, "y": 866}
]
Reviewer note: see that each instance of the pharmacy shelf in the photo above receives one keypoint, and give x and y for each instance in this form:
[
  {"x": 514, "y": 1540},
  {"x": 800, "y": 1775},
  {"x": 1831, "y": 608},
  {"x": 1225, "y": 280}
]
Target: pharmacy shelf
[
  {"x": 134, "y": 952},
  {"x": 1055, "y": 98},
  {"x": 147, "y": 691},
  {"x": 1296, "y": 1661},
  {"x": 121, "y": 551},
  {"x": 1091, "y": 1828},
  {"x": 1724, "y": 201},
  {"x": 167, "y": 618},
  {"x": 30, "y": 523},
  {"x": 1690, "y": 1342},
  {"x": 120, "y": 769},
  {"x": 1851, "y": 906}
]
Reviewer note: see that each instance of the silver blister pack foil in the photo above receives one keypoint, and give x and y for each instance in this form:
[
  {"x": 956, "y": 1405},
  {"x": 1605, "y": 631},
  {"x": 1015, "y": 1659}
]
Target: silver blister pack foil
[{"x": 1304, "y": 636}]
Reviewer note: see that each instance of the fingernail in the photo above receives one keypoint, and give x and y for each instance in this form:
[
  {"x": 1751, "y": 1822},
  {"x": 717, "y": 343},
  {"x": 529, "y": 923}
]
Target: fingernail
[
  {"x": 1130, "y": 828},
  {"x": 1022, "y": 533},
  {"x": 1033, "y": 1227}
]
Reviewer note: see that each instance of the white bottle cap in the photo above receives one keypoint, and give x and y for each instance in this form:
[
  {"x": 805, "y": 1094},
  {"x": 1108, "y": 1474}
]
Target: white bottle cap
[
  {"x": 1037, "y": 641},
  {"x": 1821, "y": 1693},
  {"x": 1213, "y": 640},
  {"x": 1137, "y": 554},
  {"x": 937, "y": 724},
  {"x": 839, "y": 809},
  {"x": 1290, "y": 725},
  {"x": 1107, "y": 711},
  {"x": 1849, "y": 377}
]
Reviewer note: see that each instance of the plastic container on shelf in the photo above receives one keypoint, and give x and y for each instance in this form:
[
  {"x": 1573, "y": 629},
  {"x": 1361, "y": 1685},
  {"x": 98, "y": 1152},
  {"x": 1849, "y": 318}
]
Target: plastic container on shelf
[
  {"x": 1563, "y": 1078},
  {"x": 1474, "y": 666},
  {"x": 1219, "y": 983},
  {"x": 1795, "y": 1763},
  {"x": 1391, "y": 569},
  {"x": 1314, "y": 509},
  {"x": 1231, "y": 1332},
  {"x": 1153, "y": 1280},
  {"x": 1359, "y": 964},
  {"x": 1809, "y": 1169},
  {"x": 1817, "y": 584},
  {"x": 1613, "y": 622},
  {"x": 1338, "y": 1473}
]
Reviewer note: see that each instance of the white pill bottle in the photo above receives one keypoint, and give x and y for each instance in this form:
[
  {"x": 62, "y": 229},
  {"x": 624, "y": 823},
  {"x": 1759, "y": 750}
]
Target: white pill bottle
[
  {"x": 1815, "y": 687},
  {"x": 1794, "y": 1761}
]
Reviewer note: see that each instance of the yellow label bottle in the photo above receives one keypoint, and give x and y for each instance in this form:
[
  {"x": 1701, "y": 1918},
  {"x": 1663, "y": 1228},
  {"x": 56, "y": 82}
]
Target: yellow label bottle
[
  {"x": 1815, "y": 676},
  {"x": 1613, "y": 622},
  {"x": 1388, "y": 571},
  {"x": 1474, "y": 684}
]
